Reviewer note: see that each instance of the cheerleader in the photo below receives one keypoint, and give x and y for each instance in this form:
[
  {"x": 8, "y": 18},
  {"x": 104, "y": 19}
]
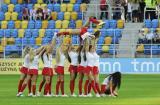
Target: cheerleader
[
  {"x": 111, "y": 84},
  {"x": 73, "y": 59},
  {"x": 24, "y": 69},
  {"x": 47, "y": 71},
  {"x": 33, "y": 71},
  {"x": 59, "y": 68},
  {"x": 89, "y": 51}
]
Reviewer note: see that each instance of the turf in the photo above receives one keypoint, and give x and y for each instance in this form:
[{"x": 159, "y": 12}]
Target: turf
[{"x": 135, "y": 90}]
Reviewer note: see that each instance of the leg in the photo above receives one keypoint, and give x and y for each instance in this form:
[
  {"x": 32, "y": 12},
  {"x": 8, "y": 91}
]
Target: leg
[
  {"x": 81, "y": 76},
  {"x": 25, "y": 83},
  {"x": 62, "y": 83},
  {"x": 47, "y": 85},
  {"x": 22, "y": 77},
  {"x": 92, "y": 83},
  {"x": 72, "y": 81},
  {"x": 96, "y": 78},
  {"x": 41, "y": 84},
  {"x": 58, "y": 84},
  {"x": 34, "y": 80},
  {"x": 50, "y": 85},
  {"x": 101, "y": 16}
]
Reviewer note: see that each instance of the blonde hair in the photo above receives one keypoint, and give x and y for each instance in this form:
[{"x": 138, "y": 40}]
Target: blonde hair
[{"x": 26, "y": 51}]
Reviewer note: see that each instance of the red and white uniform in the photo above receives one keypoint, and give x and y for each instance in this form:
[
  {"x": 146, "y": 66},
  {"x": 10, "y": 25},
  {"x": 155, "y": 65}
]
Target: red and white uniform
[
  {"x": 24, "y": 69},
  {"x": 33, "y": 69},
  {"x": 74, "y": 61},
  {"x": 82, "y": 66},
  {"x": 106, "y": 84},
  {"x": 47, "y": 70},
  {"x": 96, "y": 64},
  {"x": 60, "y": 64},
  {"x": 90, "y": 62}
]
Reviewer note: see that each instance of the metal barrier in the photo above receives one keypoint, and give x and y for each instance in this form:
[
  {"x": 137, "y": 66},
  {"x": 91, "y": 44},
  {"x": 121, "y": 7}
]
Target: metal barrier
[{"x": 157, "y": 10}]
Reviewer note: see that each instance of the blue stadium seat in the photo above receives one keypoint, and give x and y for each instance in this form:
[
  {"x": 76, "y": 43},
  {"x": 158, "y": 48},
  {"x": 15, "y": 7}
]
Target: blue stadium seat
[
  {"x": 60, "y": 16},
  {"x": 51, "y": 24},
  {"x": 38, "y": 24},
  {"x": 25, "y": 41},
  {"x": 49, "y": 33},
  {"x": 30, "y": 6},
  {"x": 13, "y": 1},
  {"x": 35, "y": 33},
  {"x": 75, "y": 40},
  {"x": 11, "y": 24},
  {"x": 112, "y": 49},
  {"x": 110, "y": 32},
  {"x": 147, "y": 49},
  {"x": 148, "y": 23},
  {"x": 50, "y": 6},
  {"x": 56, "y": 7},
  {"x": 72, "y": 24},
  {"x": 4, "y": 8},
  {"x": 20, "y": 16},
  {"x": 14, "y": 33},
  {"x": 155, "y": 23},
  {"x": 106, "y": 26},
  {"x": 32, "y": 41},
  {"x": 2, "y": 16},
  {"x": 45, "y": 40},
  {"x": 79, "y": 1},
  {"x": 18, "y": 41},
  {"x": 115, "y": 40},
  {"x": 7, "y": 33},
  {"x": 31, "y": 24},
  {"x": 118, "y": 33},
  {"x": 99, "y": 49},
  {"x": 18, "y": 8},
  {"x": 113, "y": 24},
  {"x": 1, "y": 33},
  {"x": 155, "y": 49},
  {"x": 80, "y": 16},
  {"x": 27, "y": 33},
  {"x": 101, "y": 40},
  {"x": 76, "y": 7},
  {"x": 104, "y": 32}
]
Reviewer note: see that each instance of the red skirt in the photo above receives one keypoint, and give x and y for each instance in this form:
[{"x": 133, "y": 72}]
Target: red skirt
[
  {"x": 33, "y": 72},
  {"x": 88, "y": 70},
  {"x": 95, "y": 70},
  {"x": 83, "y": 30},
  {"x": 24, "y": 70},
  {"x": 60, "y": 70},
  {"x": 73, "y": 69},
  {"x": 47, "y": 71},
  {"x": 81, "y": 69}
]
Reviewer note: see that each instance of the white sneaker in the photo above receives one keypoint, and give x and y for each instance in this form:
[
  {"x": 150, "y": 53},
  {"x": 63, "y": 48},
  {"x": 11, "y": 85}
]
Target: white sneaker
[
  {"x": 90, "y": 95},
  {"x": 57, "y": 95},
  {"x": 81, "y": 95},
  {"x": 64, "y": 95},
  {"x": 73, "y": 95},
  {"x": 48, "y": 95},
  {"x": 85, "y": 95},
  {"x": 34, "y": 95},
  {"x": 38, "y": 93},
  {"x": 20, "y": 94},
  {"x": 101, "y": 23},
  {"x": 97, "y": 95},
  {"x": 30, "y": 94},
  {"x": 103, "y": 95}
]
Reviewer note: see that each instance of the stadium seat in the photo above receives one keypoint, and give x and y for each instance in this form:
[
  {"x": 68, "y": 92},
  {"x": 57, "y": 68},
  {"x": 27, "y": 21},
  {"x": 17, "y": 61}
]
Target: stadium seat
[
  {"x": 48, "y": 33},
  {"x": 38, "y": 24},
  {"x": 32, "y": 41},
  {"x": 110, "y": 32},
  {"x": 54, "y": 15},
  {"x": 39, "y": 1},
  {"x": 14, "y": 33},
  {"x": 72, "y": 1},
  {"x": 67, "y": 16},
  {"x": 21, "y": 33},
  {"x": 30, "y": 6},
  {"x": 27, "y": 33},
  {"x": 43, "y": 6},
  {"x": 7, "y": 33},
  {"x": 80, "y": 15},
  {"x": 31, "y": 24},
  {"x": 56, "y": 7},
  {"x": 38, "y": 41},
  {"x": 118, "y": 33},
  {"x": 44, "y": 24},
  {"x": 140, "y": 48},
  {"x": 74, "y": 15},
  {"x": 11, "y": 24},
  {"x": 120, "y": 24},
  {"x": 50, "y": 6},
  {"x": 69, "y": 7},
  {"x": 58, "y": 24},
  {"x": 67, "y": 40},
  {"x": 17, "y": 24},
  {"x": 4, "y": 8},
  {"x": 10, "y": 7},
  {"x": 45, "y": 40},
  {"x": 76, "y": 7},
  {"x": 1, "y": 33},
  {"x": 51, "y": 24},
  {"x": 18, "y": 8},
  {"x": 8, "y": 16},
  {"x": 106, "y": 26},
  {"x": 108, "y": 40},
  {"x": 24, "y": 24},
  {"x": 147, "y": 49},
  {"x": 4, "y": 41},
  {"x": 72, "y": 24},
  {"x": 14, "y": 16},
  {"x": 104, "y": 32},
  {"x": 115, "y": 40},
  {"x": 148, "y": 23},
  {"x": 105, "y": 49},
  {"x": 155, "y": 50},
  {"x": 65, "y": 24},
  {"x": 113, "y": 24},
  {"x": 100, "y": 40},
  {"x": 112, "y": 49},
  {"x": 35, "y": 33},
  {"x": 20, "y": 16},
  {"x": 11, "y": 41},
  {"x": 36, "y": 6},
  {"x": 7, "y": 1},
  {"x": 13, "y": 1},
  {"x": 2, "y": 17},
  {"x": 1, "y": 49},
  {"x": 83, "y": 7},
  {"x": 79, "y": 23},
  {"x": 63, "y": 7},
  {"x": 99, "y": 49},
  {"x": 155, "y": 23},
  {"x": 25, "y": 41},
  {"x": 41, "y": 33},
  {"x": 20, "y": 1},
  {"x": 4, "y": 24},
  {"x": 18, "y": 41},
  {"x": 60, "y": 16}
]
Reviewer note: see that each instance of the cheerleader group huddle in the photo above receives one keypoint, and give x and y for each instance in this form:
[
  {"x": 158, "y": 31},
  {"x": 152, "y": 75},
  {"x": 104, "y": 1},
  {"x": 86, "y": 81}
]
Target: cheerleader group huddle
[{"x": 84, "y": 62}]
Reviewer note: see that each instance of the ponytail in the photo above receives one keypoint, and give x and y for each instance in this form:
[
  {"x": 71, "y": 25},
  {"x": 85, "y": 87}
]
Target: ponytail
[{"x": 68, "y": 57}]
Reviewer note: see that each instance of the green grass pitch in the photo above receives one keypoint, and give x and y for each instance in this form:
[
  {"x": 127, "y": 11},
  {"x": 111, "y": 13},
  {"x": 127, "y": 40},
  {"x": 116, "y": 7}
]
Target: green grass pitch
[{"x": 135, "y": 90}]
